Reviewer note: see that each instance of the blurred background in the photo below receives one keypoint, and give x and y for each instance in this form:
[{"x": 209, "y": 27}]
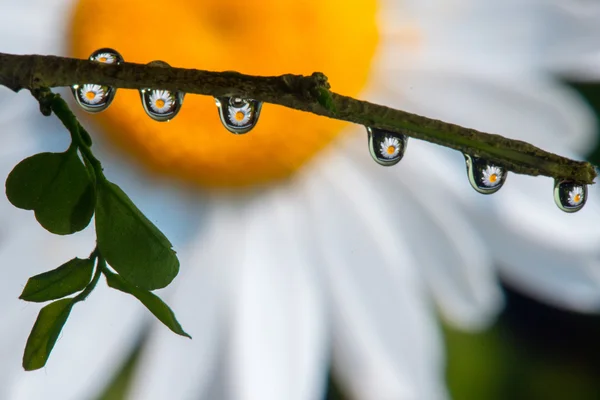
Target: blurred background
[{"x": 533, "y": 351}]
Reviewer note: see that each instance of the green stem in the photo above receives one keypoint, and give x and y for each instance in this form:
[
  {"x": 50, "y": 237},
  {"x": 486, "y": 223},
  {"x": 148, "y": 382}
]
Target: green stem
[
  {"x": 94, "y": 254},
  {"x": 55, "y": 103},
  {"x": 304, "y": 93},
  {"x": 90, "y": 287},
  {"x": 104, "y": 268}
]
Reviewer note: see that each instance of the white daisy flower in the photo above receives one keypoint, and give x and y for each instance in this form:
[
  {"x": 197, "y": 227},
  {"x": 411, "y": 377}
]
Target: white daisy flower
[
  {"x": 92, "y": 94},
  {"x": 240, "y": 116},
  {"x": 492, "y": 176},
  {"x": 161, "y": 101},
  {"x": 106, "y": 58},
  {"x": 389, "y": 147},
  {"x": 315, "y": 272},
  {"x": 575, "y": 196}
]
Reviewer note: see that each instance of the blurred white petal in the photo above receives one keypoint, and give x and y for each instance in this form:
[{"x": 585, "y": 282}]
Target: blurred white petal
[
  {"x": 521, "y": 223},
  {"x": 373, "y": 279},
  {"x": 171, "y": 366},
  {"x": 573, "y": 38},
  {"x": 532, "y": 216},
  {"x": 34, "y": 27},
  {"x": 278, "y": 327},
  {"x": 477, "y": 36}
]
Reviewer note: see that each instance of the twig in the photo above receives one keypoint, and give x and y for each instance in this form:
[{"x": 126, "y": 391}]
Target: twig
[{"x": 304, "y": 93}]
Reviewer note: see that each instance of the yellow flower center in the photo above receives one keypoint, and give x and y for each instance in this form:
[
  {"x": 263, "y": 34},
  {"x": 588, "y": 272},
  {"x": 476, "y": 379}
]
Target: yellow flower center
[
  {"x": 493, "y": 178},
  {"x": 577, "y": 198},
  {"x": 314, "y": 35},
  {"x": 102, "y": 59},
  {"x": 160, "y": 103},
  {"x": 239, "y": 116},
  {"x": 391, "y": 150},
  {"x": 90, "y": 95}
]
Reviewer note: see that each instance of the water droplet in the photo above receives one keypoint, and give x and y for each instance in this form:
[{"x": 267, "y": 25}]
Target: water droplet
[
  {"x": 238, "y": 115},
  {"x": 92, "y": 97},
  {"x": 484, "y": 177},
  {"x": 161, "y": 105},
  {"x": 386, "y": 147},
  {"x": 569, "y": 196}
]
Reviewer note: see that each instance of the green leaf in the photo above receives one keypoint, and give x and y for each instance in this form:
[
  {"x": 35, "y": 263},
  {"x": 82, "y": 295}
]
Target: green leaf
[
  {"x": 150, "y": 300},
  {"x": 71, "y": 277},
  {"x": 130, "y": 243},
  {"x": 57, "y": 187},
  {"x": 45, "y": 331}
]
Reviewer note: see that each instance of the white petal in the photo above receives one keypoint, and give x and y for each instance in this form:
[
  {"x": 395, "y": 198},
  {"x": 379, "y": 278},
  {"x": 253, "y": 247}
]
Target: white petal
[
  {"x": 34, "y": 26},
  {"x": 457, "y": 267},
  {"x": 528, "y": 236},
  {"x": 542, "y": 250},
  {"x": 553, "y": 277},
  {"x": 386, "y": 340},
  {"x": 278, "y": 329},
  {"x": 533, "y": 214},
  {"x": 573, "y": 36},
  {"x": 522, "y": 226},
  {"x": 175, "y": 367},
  {"x": 464, "y": 35},
  {"x": 17, "y": 316}
]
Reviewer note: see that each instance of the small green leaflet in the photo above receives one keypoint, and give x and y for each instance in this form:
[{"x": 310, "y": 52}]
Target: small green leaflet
[
  {"x": 45, "y": 331},
  {"x": 130, "y": 243},
  {"x": 150, "y": 300},
  {"x": 57, "y": 187},
  {"x": 69, "y": 278}
]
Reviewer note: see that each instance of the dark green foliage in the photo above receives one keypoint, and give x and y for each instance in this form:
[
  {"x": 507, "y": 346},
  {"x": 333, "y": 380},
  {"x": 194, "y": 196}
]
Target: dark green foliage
[
  {"x": 45, "y": 331},
  {"x": 150, "y": 300},
  {"x": 69, "y": 278},
  {"x": 65, "y": 191},
  {"x": 57, "y": 187},
  {"x": 130, "y": 243}
]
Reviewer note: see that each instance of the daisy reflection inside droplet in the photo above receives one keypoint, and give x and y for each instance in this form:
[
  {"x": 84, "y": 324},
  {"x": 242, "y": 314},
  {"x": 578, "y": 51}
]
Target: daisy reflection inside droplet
[
  {"x": 92, "y": 97},
  {"x": 92, "y": 94},
  {"x": 570, "y": 196},
  {"x": 161, "y": 101},
  {"x": 105, "y": 57},
  {"x": 387, "y": 148},
  {"x": 390, "y": 147},
  {"x": 161, "y": 105},
  {"x": 238, "y": 115},
  {"x": 491, "y": 176},
  {"x": 484, "y": 177}
]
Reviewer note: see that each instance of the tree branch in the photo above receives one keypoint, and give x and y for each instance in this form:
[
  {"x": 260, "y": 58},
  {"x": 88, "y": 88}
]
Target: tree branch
[{"x": 304, "y": 93}]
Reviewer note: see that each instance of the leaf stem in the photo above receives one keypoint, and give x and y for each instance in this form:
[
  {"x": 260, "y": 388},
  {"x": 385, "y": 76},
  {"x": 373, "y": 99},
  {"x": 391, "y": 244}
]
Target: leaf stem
[
  {"x": 50, "y": 101},
  {"x": 90, "y": 287},
  {"x": 94, "y": 254}
]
